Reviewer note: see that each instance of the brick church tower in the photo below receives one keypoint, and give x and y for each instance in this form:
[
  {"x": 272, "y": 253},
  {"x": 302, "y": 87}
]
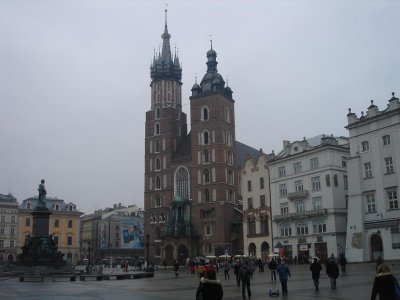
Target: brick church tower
[{"x": 191, "y": 180}]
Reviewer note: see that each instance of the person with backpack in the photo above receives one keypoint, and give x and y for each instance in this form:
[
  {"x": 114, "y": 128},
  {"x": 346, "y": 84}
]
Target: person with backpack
[
  {"x": 315, "y": 269},
  {"x": 284, "y": 274},
  {"x": 245, "y": 274}
]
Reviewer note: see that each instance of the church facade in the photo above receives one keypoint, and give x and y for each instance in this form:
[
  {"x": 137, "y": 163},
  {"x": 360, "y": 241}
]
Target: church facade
[{"x": 192, "y": 179}]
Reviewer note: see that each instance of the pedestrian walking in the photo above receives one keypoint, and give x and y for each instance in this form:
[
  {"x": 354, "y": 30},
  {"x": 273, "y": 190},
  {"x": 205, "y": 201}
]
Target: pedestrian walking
[
  {"x": 245, "y": 274},
  {"x": 385, "y": 284},
  {"x": 315, "y": 269},
  {"x": 126, "y": 265},
  {"x": 332, "y": 270},
  {"x": 343, "y": 263},
  {"x": 226, "y": 269},
  {"x": 210, "y": 287},
  {"x": 272, "y": 267},
  {"x": 236, "y": 269},
  {"x": 284, "y": 274}
]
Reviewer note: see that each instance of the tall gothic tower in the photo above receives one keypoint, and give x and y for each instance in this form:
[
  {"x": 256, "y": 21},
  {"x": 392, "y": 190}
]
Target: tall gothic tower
[
  {"x": 191, "y": 180},
  {"x": 214, "y": 174},
  {"x": 165, "y": 128}
]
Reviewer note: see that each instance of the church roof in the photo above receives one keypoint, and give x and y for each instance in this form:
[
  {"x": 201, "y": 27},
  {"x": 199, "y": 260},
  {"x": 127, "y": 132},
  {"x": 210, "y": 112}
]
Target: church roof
[{"x": 243, "y": 152}]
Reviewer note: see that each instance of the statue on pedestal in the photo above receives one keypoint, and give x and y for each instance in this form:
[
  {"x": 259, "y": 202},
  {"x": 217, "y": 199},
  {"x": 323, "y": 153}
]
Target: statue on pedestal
[{"x": 42, "y": 195}]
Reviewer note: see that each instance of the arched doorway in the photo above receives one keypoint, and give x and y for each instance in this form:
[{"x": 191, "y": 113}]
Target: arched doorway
[
  {"x": 264, "y": 251},
  {"x": 169, "y": 253},
  {"x": 252, "y": 250},
  {"x": 183, "y": 253},
  {"x": 376, "y": 246},
  {"x": 10, "y": 258}
]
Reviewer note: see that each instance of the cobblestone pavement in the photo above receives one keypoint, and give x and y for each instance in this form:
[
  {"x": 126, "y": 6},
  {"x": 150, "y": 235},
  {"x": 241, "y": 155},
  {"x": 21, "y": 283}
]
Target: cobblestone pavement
[{"x": 355, "y": 284}]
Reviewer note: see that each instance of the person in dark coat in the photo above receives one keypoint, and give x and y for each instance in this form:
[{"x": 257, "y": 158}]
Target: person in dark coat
[
  {"x": 343, "y": 262},
  {"x": 272, "y": 267},
  {"x": 384, "y": 284},
  {"x": 245, "y": 274},
  {"x": 315, "y": 269},
  {"x": 332, "y": 270},
  {"x": 284, "y": 273},
  {"x": 236, "y": 269},
  {"x": 210, "y": 288}
]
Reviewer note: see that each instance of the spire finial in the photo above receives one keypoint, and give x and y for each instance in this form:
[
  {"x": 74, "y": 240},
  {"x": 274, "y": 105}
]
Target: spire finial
[
  {"x": 372, "y": 102},
  {"x": 195, "y": 78},
  {"x": 393, "y": 94},
  {"x": 211, "y": 40},
  {"x": 227, "y": 81},
  {"x": 166, "y": 11}
]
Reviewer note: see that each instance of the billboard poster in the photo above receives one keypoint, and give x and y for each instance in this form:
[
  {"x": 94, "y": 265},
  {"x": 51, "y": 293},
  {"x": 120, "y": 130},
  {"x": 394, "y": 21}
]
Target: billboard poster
[{"x": 132, "y": 234}]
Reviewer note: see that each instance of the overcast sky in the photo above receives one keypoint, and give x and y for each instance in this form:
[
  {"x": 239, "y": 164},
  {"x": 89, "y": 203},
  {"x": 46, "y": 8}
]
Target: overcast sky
[{"x": 74, "y": 81}]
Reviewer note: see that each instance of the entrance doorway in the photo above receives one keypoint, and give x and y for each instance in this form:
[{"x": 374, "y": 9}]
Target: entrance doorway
[
  {"x": 376, "y": 246},
  {"x": 321, "y": 251},
  {"x": 169, "y": 253},
  {"x": 264, "y": 251}
]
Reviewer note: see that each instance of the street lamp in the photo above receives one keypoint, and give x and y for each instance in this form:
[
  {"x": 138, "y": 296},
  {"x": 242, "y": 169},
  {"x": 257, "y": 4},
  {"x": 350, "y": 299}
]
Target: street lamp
[
  {"x": 89, "y": 242},
  {"x": 147, "y": 245}
]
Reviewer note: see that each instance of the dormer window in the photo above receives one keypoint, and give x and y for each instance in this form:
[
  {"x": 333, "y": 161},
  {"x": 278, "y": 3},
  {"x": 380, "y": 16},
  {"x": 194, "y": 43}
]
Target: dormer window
[
  {"x": 28, "y": 206},
  {"x": 56, "y": 207}
]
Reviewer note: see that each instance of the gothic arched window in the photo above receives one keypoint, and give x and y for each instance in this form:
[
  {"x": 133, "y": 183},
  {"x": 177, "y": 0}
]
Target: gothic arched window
[
  {"x": 205, "y": 156},
  {"x": 157, "y": 129},
  {"x": 206, "y": 137},
  {"x": 158, "y": 200},
  {"x": 158, "y": 112},
  {"x": 182, "y": 183},
  {"x": 204, "y": 114},
  {"x": 206, "y": 196},
  {"x": 158, "y": 182},
  {"x": 206, "y": 175},
  {"x": 158, "y": 164}
]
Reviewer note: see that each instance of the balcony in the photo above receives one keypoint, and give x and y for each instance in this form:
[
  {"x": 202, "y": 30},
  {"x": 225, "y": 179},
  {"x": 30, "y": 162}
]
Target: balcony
[
  {"x": 307, "y": 213},
  {"x": 298, "y": 195}
]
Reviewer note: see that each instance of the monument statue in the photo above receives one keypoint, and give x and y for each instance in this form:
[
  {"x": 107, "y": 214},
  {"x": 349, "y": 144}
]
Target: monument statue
[{"x": 42, "y": 195}]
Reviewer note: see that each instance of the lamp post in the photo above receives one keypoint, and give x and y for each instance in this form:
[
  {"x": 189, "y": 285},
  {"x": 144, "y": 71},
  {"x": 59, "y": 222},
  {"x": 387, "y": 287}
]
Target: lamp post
[
  {"x": 147, "y": 246},
  {"x": 89, "y": 242}
]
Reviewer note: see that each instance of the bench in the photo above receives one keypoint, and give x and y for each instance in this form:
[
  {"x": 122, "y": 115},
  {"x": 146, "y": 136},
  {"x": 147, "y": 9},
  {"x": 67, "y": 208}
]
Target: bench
[
  {"x": 91, "y": 277},
  {"x": 69, "y": 277},
  {"x": 31, "y": 278}
]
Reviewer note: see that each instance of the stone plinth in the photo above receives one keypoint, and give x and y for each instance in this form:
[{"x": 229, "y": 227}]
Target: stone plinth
[{"x": 40, "y": 224}]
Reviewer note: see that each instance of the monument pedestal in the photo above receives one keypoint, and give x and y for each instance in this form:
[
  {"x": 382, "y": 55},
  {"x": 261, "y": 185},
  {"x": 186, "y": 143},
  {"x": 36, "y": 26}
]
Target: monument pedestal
[
  {"x": 40, "y": 224},
  {"x": 40, "y": 249}
]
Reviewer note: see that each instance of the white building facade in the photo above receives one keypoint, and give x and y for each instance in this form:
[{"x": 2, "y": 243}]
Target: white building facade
[
  {"x": 257, "y": 231},
  {"x": 308, "y": 182},
  {"x": 373, "y": 171},
  {"x": 8, "y": 229}
]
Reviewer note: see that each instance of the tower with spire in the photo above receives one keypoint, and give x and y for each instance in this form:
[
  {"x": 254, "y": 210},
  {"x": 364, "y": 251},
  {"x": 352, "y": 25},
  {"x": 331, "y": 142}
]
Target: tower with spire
[{"x": 191, "y": 179}]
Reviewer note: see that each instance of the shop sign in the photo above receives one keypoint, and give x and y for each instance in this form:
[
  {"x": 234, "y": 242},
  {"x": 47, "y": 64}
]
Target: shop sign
[{"x": 304, "y": 247}]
